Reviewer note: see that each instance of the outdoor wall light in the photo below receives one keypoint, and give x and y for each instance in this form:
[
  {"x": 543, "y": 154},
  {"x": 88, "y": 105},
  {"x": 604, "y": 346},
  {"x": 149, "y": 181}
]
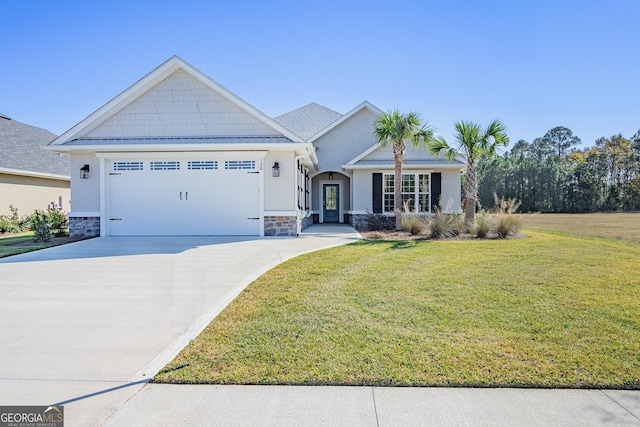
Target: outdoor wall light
[
  {"x": 330, "y": 176},
  {"x": 275, "y": 170},
  {"x": 84, "y": 172}
]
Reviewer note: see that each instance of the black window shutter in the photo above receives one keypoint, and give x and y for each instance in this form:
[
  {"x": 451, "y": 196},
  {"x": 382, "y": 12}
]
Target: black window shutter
[
  {"x": 377, "y": 193},
  {"x": 436, "y": 190}
]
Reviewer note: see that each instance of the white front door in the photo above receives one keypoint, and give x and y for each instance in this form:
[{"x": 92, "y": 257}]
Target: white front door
[{"x": 201, "y": 196}]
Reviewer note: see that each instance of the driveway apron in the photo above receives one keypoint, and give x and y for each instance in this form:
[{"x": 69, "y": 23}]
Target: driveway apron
[{"x": 87, "y": 324}]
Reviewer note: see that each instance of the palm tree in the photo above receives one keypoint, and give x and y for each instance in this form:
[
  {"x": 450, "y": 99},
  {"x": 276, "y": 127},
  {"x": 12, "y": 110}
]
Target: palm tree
[
  {"x": 395, "y": 128},
  {"x": 474, "y": 143}
]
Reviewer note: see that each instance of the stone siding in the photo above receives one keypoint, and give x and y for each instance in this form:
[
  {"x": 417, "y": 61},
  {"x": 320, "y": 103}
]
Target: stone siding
[
  {"x": 280, "y": 226},
  {"x": 82, "y": 226},
  {"x": 307, "y": 221},
  {"x": 365, "y": 221}
]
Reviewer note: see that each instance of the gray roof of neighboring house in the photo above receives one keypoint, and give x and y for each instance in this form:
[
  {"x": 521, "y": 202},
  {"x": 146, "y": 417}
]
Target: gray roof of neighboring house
[
  {"x": 308, "y": 120},
  {"x": 21, "y": 149}
]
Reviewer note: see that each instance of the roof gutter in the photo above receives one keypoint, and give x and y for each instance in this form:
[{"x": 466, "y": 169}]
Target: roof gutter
[
  {"x": 35, "y": 174},
  {"x": 446, "y": 166},
  {"x": 298, "y": 147}
]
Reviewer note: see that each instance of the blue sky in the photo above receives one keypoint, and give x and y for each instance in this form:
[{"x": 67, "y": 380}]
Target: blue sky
[{"x": 534, "y": 65}]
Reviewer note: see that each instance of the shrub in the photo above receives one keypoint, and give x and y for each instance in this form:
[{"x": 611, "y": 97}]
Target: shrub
[
  {"x": 58, "y": 220},
  {"x": 377, "y": 221},
  {"x": 7, "y": 225},
  {"x": 413, "y": 224},
  {"x": 40, "y": 226},
  {"x": 443, "y": 226},
  {"x": 483, "y": 224},
  {"x": 507, "y": 223},
  {"x": 24, "y": 223}
]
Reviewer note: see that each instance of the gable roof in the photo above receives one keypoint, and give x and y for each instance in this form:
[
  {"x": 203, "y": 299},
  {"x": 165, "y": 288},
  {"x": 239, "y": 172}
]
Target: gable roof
[
  {"x": 21, "y": 150},
  {"x": 366, "y": 105},
  {"x": 365, "y": 161},
  {"x": 308, "y": 120},
  {"x": 149, "y": 81}
]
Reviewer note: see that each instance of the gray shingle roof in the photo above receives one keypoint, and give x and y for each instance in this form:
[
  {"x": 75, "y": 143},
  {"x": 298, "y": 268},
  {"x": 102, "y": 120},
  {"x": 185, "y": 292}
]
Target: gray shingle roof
[
  {"x": 21, "y": 149},
  {"x": 424, "y": 162},
  {"x": 308, "y": 120}
]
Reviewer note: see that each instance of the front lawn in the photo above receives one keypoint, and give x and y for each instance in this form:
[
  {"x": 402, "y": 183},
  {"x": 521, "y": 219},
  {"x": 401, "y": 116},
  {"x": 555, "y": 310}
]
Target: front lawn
[
  {"x": 614, "y": 225},
  {"x": 15, "y": 244},
  {"x": 545, "y": 311}
]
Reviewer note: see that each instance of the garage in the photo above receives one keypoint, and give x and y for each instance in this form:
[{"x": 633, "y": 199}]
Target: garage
[{"x": 197, "y": 194}]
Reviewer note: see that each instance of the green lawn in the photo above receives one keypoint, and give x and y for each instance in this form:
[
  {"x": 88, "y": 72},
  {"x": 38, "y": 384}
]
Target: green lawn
[
  {"x": 545, "y": 311},
  {"x": 26, "y": 244},
  {"x": 618, "y": 225}
]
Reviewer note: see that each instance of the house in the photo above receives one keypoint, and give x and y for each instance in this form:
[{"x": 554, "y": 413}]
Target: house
[
  {"x": 30, "y": 177},
  {"x": 179, "y": 154}
]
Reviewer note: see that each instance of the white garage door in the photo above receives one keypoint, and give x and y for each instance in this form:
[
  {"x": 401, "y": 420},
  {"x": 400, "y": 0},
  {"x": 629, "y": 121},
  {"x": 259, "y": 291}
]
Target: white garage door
[{"x": 204, "y": 196}]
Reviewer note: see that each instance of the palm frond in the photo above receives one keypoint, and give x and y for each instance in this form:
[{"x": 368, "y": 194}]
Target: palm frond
[
  {"x": 439, "y": 146},
  {"x": 495, "y": 136}
]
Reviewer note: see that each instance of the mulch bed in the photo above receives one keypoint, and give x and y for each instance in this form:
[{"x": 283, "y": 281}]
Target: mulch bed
[
  {"x": 57, "y": 240},
  {"x": 405, "y": 235}
]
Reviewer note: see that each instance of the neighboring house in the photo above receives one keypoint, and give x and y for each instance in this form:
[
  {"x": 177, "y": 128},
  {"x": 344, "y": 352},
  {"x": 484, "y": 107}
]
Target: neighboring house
[
  {"x": 30, "y": 176},
  {"x": 179, "y": 154}
]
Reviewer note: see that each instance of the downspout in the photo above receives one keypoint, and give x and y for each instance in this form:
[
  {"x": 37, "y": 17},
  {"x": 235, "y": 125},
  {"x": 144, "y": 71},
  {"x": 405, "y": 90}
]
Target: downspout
[{"x": 299, "y": 214}]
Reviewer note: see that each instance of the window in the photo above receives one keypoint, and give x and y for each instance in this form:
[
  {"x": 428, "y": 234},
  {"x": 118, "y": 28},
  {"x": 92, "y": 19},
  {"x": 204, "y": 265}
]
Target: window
[
  {"x": 127, "y": 166},
  {"x": 239, "y": 164},
  {"x": 202, "y": 165},
  {"x": 415, "y": 192},
  {"x": 165, "y": 166}
]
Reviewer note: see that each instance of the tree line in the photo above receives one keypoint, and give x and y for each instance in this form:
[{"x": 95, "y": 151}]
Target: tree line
[{"x": 551, "y": 174}]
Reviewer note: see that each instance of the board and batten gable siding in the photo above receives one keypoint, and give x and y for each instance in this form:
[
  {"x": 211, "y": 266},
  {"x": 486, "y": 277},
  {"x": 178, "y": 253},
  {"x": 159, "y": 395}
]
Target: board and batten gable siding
[
  {"x": 346, "y": 141},
  {"x": 180, "y": 105}
]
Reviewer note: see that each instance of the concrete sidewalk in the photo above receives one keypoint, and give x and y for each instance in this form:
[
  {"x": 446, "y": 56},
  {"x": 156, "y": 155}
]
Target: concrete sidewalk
[{"x": 209, "y": 405}]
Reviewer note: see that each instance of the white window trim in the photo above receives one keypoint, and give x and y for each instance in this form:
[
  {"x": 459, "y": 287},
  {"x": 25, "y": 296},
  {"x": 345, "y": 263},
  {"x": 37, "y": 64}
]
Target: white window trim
[{"x": 416, "y": 192}]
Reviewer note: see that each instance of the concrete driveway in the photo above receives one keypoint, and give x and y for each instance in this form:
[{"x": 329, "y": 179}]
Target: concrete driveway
[{"x": 87, "y": 324}]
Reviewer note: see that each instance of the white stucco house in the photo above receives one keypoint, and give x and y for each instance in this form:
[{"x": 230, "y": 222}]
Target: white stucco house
[{"x": 178, "y": 154}]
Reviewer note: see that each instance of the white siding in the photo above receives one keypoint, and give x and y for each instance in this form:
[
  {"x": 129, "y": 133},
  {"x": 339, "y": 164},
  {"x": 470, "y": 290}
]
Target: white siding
[
  {"x": 279, "y": 191},
  {"x": 450, "y": 191},
  {"x": 362, "y": 183},
  {"x": 346, "y": 141},
  {"x": 386, "y": 153},
  {"x": 181, "y": 105},
  {"x": 85, "y": 193}
]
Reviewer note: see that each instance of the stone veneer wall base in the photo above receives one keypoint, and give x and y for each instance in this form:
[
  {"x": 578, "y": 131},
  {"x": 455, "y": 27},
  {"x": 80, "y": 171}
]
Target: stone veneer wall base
[
  {"x": 280, "y": 226},
  {"x": 307, "y": 221},
  {"x": 83, "y": 226}
]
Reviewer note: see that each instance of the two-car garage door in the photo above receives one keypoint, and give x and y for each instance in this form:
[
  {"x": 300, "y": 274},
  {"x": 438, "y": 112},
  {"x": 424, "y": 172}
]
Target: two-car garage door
[{"x": 198, "y": 196}]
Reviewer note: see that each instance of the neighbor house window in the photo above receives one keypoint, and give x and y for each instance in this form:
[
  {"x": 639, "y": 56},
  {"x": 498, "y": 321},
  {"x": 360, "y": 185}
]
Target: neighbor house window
[{"x": 415, "y": 192}]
